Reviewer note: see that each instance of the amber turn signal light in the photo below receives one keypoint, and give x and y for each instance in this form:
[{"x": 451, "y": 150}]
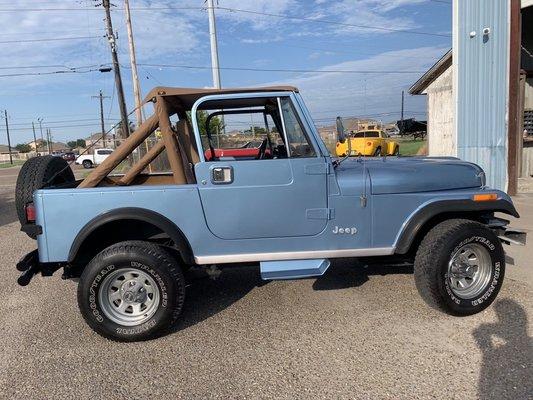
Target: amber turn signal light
[{"x": 486, "y": 197}]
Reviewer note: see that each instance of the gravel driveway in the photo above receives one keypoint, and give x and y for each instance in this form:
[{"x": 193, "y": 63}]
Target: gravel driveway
[{"x": 358, "y": 333}]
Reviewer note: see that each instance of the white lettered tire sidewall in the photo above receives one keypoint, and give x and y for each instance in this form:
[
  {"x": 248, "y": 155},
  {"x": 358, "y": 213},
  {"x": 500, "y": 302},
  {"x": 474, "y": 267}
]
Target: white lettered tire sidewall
[
  {"x": 433, "y": 258},
  {"x": 491, "y": 243},
  {"x": 151, "y": 260}
]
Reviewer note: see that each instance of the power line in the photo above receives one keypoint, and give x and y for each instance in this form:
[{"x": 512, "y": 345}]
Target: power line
[
  {"x": 340, "y": 71},
  {"x": 324, "y": 21},
  {"x": 60, "y": 126},
  {"x": 49, "y": 39},
  {"x": 59, "y": 122},
  {"x": 79, "y": 9},
  {"x": 252, "y": 12},
  {"x": 336, "y": 51},
  {"x": 69, "y": 71},
  {"x": 40, "y": 33},
  {"x": 54, "y": 66}
]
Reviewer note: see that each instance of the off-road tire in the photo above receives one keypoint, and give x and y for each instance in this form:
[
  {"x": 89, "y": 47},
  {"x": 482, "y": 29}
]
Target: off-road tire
[
  {"x": 377, "y": 153},
  {"x": 147, "y": 258},
  {"x": 434, "y": 255},
  {"x": 396, "y": 151},
  {"x": 87, "y": 164},
  {"x": 38, "y": 173}
]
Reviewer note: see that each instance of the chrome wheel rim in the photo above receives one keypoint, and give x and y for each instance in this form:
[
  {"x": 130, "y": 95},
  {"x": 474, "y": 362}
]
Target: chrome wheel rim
[
  {"x": 469, "y": 271},
  {"x": 129, "y": 296}
]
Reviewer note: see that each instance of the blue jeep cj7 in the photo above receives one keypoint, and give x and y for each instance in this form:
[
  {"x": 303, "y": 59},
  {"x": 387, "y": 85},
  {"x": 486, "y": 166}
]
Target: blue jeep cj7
[{"x": 286, "y": 205}]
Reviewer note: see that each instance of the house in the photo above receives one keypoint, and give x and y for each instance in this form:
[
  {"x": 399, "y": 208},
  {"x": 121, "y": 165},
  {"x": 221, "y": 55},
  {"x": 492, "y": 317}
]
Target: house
[
  {"x": 436, "y": 84},
  {"x": 480, "y": 93},
  {"x": 96, "y": 141},
  {"x": 58, "y": 147},
  {"x": 4, "y": 149},
  {"x": 37, "y": 144}
]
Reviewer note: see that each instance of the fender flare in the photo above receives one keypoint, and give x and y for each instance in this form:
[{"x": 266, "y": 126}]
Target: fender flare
[
  {"x": 418, "y": 220},
  {"x": 139, "y": 214}
]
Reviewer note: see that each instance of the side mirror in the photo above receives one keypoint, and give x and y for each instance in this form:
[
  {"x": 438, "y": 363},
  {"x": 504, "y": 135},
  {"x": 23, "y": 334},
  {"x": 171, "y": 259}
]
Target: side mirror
[{"x": 341, "y": 134}]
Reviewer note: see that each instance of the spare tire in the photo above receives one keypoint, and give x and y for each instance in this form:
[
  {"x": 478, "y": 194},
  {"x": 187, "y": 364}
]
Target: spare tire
[{"x": 38, "y": 173}]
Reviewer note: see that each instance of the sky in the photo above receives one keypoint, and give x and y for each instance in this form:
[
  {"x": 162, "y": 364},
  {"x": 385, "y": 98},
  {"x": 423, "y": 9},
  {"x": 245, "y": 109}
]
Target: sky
[{"x": 347, "y": 57}]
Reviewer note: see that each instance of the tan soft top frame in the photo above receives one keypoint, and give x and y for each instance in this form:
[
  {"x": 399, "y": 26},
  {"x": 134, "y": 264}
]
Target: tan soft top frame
[{"x": 180, "y": 144}]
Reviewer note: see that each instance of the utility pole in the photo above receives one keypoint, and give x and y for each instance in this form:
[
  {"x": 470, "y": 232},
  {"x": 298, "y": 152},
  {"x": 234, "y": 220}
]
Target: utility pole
[
  {"x": 49, "y": 139},
  {"x": 134, "y": 75},
  {"x": 401, "y": 118},
  {"x": 40, "y": 120},
  {"x": 214, "y": 44},
  {"x": 34, "y": 137},
  {"x": 215, "y": 69},
  {"x": 133, "y": 62},
  {"x": 116, "y": 67},
  {"x": 102, "y": 125},
  {"x": 8, "y": 139}
]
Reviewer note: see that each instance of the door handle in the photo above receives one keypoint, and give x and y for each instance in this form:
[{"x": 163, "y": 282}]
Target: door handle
[{"x": 221, "y": 175}]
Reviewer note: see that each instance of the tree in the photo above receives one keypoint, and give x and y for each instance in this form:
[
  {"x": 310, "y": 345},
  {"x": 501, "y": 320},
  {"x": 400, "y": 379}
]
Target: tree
[
  {"x": 120, "y": 132},
  {"x": 76, "y": 143},
  {"x": 23, "y": 148},
  {"x": 215, "y": 125},
  {"x": 258, "y": 130}
]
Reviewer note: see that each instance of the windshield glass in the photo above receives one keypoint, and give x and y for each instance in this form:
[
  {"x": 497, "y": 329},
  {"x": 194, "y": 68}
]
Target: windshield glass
[{"x": 366, "y": 134}]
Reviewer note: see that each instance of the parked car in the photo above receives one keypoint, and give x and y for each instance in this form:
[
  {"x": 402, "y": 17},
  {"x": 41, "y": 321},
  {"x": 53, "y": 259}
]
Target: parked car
[
  {"x": 91, "y": 160},
  {"x": 69, "y": 156},
  {"x": 368, "y": 143},
  {"x": 128, "y": 239}
]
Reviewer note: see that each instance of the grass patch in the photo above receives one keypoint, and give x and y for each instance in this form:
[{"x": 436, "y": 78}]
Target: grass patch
[
  {"x": 410, "y": 147},
  {"x": 16, "y": 163}
]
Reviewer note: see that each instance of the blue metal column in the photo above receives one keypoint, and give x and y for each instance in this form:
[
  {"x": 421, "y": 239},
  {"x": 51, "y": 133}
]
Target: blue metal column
[{"x": 481, "y": 84}]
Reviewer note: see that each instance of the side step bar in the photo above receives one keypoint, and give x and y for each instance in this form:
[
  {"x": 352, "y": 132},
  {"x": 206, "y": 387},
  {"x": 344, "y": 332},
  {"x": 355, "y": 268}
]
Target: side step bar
[{"x": 293, "y": 269}]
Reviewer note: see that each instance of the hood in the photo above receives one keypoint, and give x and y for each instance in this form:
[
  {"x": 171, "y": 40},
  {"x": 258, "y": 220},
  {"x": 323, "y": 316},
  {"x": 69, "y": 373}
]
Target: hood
[{"x": 390, "y": 175}]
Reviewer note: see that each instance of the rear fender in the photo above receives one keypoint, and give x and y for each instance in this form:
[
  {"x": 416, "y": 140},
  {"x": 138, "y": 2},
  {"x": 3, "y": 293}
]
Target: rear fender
[{"x": 135, "y": 214}]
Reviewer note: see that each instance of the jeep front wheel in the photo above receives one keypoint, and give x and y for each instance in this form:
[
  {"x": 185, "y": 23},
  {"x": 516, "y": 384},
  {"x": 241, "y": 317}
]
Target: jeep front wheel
[
  {"x": 87, "y": 164},
  {"x": 459, "y": 267},
  {"x": 131, "y": 291}
]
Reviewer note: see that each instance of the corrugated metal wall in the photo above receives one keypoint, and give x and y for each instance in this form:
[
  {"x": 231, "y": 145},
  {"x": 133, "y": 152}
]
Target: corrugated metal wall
[{"x": 481, "y": 65}]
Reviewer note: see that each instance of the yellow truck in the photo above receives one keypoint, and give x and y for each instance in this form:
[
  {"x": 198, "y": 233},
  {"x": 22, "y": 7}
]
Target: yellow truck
[{"x": 368, "y": 143}]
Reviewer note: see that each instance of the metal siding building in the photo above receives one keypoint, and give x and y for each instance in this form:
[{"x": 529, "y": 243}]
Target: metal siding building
[{"x": 481, "y": 79}]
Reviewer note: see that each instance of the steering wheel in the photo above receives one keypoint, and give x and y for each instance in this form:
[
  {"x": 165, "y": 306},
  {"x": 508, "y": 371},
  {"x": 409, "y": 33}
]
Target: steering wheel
[{"x": 262, "y": 149}]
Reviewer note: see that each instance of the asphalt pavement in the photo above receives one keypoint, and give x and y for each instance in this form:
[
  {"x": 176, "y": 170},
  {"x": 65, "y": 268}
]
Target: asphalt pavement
[{"x": 355, "y": 333}]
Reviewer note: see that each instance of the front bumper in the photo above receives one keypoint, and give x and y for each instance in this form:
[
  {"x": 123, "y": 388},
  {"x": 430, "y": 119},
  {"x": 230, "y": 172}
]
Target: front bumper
[
  {"x": 505, "y": 233},
  {"x": 513, "y": 236},
  {"x": 30, "y": 266}
]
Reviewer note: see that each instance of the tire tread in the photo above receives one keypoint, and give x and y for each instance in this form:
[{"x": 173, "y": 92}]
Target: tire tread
[{"x": 168, "y": 261}]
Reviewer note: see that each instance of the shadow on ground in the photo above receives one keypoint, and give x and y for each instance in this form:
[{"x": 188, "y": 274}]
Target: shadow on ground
[
  {"x": 507, "y": 364},
  {"x": 207, "y": 296},
  {"x": 7, "y": 208},
  {"x": 344, "y": 274}
]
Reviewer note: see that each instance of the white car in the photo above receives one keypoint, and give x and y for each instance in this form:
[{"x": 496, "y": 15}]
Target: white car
[{"x": 90, "y": 160}]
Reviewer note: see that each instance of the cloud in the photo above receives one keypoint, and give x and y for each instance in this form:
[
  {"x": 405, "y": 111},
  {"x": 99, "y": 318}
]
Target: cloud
[
  {"x": 368, "y": 13},
  {"x": 364, "y": 13},
  {"x": 256, "y": 21},
  {"x": 329, "y": 94},
  {"x": 159, "y": 35}
]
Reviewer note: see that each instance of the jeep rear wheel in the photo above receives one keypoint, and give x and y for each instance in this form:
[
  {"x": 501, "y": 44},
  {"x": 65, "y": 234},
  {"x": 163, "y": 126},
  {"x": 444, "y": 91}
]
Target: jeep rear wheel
[
  {"x": 459, "y": 267},
  {"x": 131, "y": 291}
]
